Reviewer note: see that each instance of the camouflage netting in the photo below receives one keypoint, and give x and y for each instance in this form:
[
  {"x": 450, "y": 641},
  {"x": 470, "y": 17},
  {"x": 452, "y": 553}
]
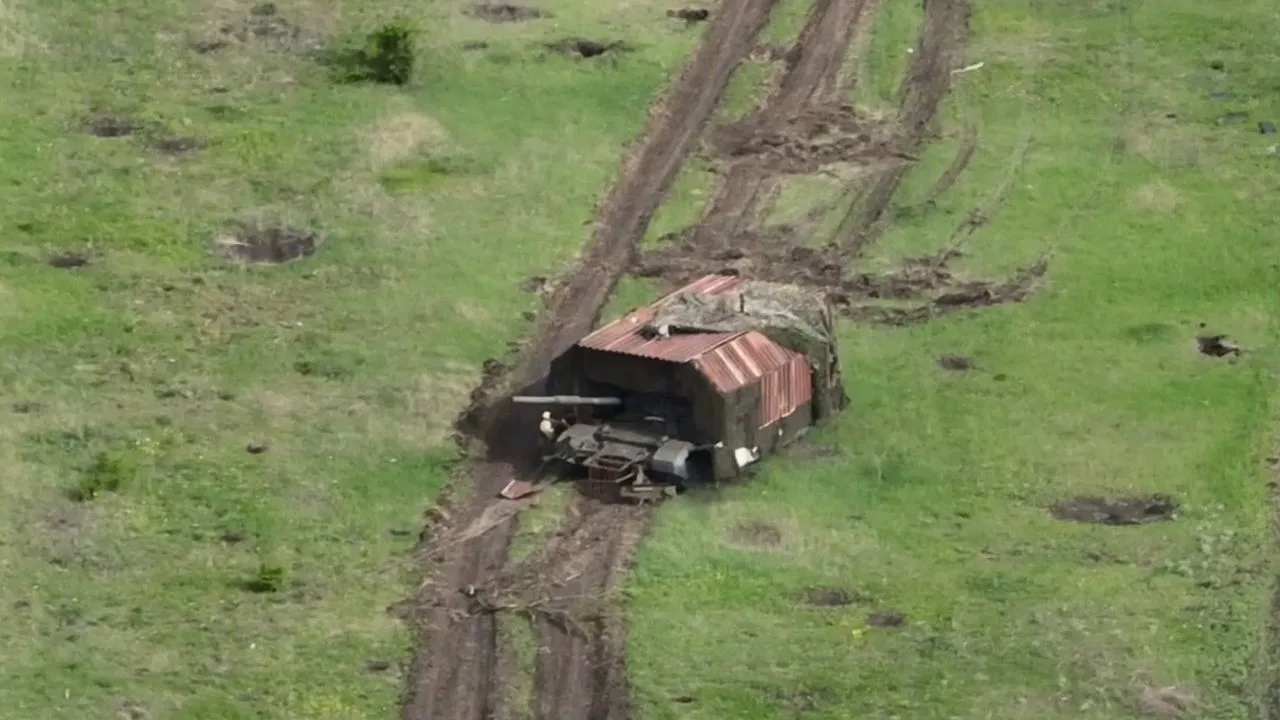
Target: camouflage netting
[{"x": 799, "y": 319}]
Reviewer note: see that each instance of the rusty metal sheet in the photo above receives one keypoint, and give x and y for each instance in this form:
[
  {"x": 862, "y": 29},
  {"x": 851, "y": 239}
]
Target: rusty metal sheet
[
  {"x": 743, "y": 360},
  {"x": 785, "y": 390},
  {"x": 624, "y": 336}
]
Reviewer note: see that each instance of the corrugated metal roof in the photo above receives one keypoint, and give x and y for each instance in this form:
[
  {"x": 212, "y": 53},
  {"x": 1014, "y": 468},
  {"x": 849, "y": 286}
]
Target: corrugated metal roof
[
  {"x": 624, "y": 336},
  {"x": 730, "y": 360},
  {"x": 708, "y": 285},
  {"x": 785, "y": 390},
  {"x": 742, "y": 360}
]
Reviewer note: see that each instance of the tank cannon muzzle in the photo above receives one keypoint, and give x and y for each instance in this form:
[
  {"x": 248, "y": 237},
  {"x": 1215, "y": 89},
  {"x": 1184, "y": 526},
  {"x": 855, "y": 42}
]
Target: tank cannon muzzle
[{"x": 565, "y": 400}]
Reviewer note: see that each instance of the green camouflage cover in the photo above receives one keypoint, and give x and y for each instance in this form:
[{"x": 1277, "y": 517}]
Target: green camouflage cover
[{"x": 799, "y": 319}]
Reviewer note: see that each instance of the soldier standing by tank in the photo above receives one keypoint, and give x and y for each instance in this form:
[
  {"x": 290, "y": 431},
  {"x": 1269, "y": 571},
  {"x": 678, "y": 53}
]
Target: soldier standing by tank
[{"x": 550, "y": 428}]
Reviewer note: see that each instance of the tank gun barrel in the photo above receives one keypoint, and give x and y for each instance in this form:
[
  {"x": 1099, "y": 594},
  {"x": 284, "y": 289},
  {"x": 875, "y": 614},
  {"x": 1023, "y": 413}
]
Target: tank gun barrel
[{"x": 564, "y": 400}]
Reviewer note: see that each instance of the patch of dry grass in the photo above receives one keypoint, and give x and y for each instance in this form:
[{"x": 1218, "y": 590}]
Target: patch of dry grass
[
  {"x": 403, "y": 135},
  {"x": 1158, "y": 196}
]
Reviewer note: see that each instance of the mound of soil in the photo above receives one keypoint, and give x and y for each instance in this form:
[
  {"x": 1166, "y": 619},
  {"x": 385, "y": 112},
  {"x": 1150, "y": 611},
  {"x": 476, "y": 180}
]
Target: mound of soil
[
  {"x": 267, "y": 245},
  {"x": 583, "y": 48},
  {"x": 690, "y": 15},
  {"x": 502, "y": 12},
  {"x": 1123, "y": 511},
  {"x": 263, "y": 24},
  {"x": 109, "y": 126},
  {"x": 886, "y": 619},
  {"x": 1216, "y": 346},
  {"x": 68, "y": 261},
  {"x": 814, "y": 138},
  {"x": 955, "y": 363},
  {"x": 773, "y": 254},
  {"x": 756, "y": 534}
]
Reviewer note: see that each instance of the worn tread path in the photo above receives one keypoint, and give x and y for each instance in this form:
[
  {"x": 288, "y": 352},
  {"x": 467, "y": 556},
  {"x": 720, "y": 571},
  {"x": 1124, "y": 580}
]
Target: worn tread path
[{"x": 454, "y": 674}]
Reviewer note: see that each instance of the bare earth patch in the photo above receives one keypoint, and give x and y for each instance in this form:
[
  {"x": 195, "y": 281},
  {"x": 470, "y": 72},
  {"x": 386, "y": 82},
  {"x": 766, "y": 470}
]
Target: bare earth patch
[
  {"x": 1170, "y": 702},
  {"x": 955, "y": 363},
  {"x": 583, "y": 48},
  {"x": 179, "y": 145},
  {"x": 830, "y": 597},
  {"x": 503, "y": 12},
  {"x": 1122, "y": 511},
  {"x": 690, "y": 15},
  {"x": 886, "y": 619},
  {"x": 756, "y": 534},
  {"x": 109, "y": 126},
  {"x": 68, "y": 260},
  {"x": 266, "y": 245}
]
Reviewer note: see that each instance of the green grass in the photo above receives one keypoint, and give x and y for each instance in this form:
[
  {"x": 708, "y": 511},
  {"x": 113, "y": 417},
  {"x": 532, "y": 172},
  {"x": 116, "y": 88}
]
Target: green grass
[
  {"x": 150, "y": 562},
  {"x": 934, "y": 501}
]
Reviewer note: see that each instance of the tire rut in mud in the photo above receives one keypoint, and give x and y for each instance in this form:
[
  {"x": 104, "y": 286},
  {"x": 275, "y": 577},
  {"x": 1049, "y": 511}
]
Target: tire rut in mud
[
  {"x": 454, "y": 675},
  {"x": 578, "y": 623},
  {"x": 810, "y": 81},
  {"x": 881, "y": 151}
]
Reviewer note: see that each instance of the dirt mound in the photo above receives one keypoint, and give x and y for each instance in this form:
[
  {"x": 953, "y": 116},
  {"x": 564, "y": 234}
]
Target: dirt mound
[
  {"x": 886, "y": 619},
  {"x": 270, "y": 245},
  {"x": 811, "y": 140},
  {"x": 690, "y": 15},
  {"x": 583, "y": 48},
  {"x": 1122, "y": 511},
  {"x": 1216, "y": 346},
  {"x": 502, "y": 12},
  {"x": 918, "y": 290},
  {"x": 262, "y": 24},
  {"x": 68, "y": 261},
  {"x": 109, "y": 126}
]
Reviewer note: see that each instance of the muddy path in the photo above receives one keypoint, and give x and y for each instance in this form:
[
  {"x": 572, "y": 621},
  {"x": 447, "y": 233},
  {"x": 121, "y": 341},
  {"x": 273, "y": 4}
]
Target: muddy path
[
  {"x": 792, "y": 112},
  {"x": 457, "y": 671},
  {"x": 940, "y": 50},
  {"x": 879, "y": 151},
  {"x": 570, "y": 591}
]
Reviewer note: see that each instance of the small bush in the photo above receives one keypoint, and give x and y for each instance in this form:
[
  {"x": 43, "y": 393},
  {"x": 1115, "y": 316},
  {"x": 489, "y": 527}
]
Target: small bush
[
  {"x": 387, "y": 57},
  {"x": 108, "y": 473}
]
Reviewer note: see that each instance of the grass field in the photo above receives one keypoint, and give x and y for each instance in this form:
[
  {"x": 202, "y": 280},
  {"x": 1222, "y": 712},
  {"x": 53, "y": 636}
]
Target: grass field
[
  {"x": 434, "y": 206},
  {"x": 932, "y": 502},
  {"x": 218, "y": 583}
]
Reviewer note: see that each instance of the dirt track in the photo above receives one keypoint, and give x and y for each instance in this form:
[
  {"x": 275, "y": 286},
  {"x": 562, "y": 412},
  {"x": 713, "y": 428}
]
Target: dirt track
[
  {"x": 811, "y": 79},
  {"x": 568, "y": 589},
  {"x": 456, "y": 673},
  {"x": 583, "y": 676},
  {"x": 818, "y": 131}
]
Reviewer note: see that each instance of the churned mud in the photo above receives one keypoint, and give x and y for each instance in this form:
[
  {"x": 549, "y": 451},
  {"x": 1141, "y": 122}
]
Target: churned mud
[
  {"x": 568, "y": 589},
  {"x": 458, "y": 669}
]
